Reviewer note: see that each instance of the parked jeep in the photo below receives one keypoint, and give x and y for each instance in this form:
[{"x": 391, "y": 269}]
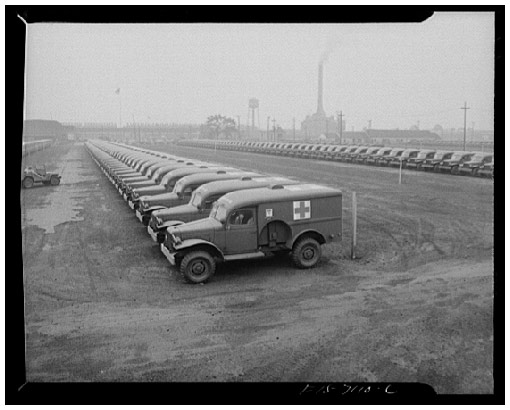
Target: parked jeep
[
  {"x": 182, "y": 191},
  {"x": 202, "y": 200},
  {"x": 472, "y": 166},
  {"x": 452, "y": 165},
  {"x": 246, "y": 224}
]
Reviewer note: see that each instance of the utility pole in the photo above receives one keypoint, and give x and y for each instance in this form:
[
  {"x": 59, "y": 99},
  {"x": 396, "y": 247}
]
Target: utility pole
[
  {"x": 340, "y": 124},
  {"x": 239, "y": 125},
  {"x": 293, "y": 129},
  {"x": 465, "y": 108},
  {"x": 267, "y": 131},
  {"x": 274, "y": 130}
]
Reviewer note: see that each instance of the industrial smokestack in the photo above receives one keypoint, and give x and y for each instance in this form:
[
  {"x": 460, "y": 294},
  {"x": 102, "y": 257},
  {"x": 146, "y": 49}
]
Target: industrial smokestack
[{"x": 320, "y": 108}]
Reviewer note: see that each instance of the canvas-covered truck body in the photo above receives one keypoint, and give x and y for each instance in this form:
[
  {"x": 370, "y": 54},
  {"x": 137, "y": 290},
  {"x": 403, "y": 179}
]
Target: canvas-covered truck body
[
  {"x": 183, "y": 190},
  {"x": 253, "y": 223},
  {"x": 202, "y": 201}
]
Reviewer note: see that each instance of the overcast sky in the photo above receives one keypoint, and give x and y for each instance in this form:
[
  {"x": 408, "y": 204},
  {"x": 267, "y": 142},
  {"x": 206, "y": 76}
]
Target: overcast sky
[{"x": 393, "y": 74}]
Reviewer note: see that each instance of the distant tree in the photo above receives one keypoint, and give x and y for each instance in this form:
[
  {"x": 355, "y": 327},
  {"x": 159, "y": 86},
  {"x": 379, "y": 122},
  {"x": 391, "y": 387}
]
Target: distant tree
[
  {"x": 218, "y": 126},
  {"x": 437, "y": 129}
]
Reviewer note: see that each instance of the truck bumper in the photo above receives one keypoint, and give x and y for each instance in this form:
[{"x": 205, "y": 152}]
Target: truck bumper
[
  {"x": 154, "y": 234},
  {"x": 168, "y": 255}
]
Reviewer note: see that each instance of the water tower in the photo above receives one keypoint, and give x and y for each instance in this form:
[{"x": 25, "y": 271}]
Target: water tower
[{"x": 253, "y": 105}]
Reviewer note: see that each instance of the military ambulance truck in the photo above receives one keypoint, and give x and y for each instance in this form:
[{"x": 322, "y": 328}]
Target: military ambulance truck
[
  {"x": 202, "y": 201},
  {"x": 253, "y": 223}
]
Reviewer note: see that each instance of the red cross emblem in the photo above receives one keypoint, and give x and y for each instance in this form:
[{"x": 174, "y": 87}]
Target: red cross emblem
[{"x": 302, "y": 210}]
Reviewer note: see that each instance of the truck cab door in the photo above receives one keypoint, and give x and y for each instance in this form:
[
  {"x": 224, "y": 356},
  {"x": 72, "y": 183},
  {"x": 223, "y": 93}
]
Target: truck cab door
[{"x": 241, "y": 231}]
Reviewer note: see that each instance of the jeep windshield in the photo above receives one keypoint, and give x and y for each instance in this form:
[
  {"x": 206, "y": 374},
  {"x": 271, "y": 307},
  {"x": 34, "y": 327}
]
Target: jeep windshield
[{"x": 219, "y": 212}]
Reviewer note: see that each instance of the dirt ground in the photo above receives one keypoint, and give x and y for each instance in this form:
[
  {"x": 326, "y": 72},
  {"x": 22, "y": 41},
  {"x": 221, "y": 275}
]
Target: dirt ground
[{"x": 103, "y": 304}]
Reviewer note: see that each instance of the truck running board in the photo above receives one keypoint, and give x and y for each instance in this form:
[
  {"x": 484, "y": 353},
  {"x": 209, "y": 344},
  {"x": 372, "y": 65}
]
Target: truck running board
[{"x": 244, "y": 256}]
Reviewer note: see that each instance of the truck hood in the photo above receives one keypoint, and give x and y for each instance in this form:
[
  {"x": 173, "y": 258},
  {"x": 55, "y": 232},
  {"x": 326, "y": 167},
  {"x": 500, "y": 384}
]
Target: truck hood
[
  {"x": 150, "y": 190},
  {"x": 451, "y": 162},
  {"x": 166, "y": 200},
  {"x": 200, "y": 229},
  {"x": 141, "y": 184},
  {"x": 180, "y": 213}
]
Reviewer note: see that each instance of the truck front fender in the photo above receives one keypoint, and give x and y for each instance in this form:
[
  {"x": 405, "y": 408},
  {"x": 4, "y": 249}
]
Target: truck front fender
[
  {"x": 168, "y": 224},
  {"x": 153, "y": 208},
  {"x": 199, "y": 243}
]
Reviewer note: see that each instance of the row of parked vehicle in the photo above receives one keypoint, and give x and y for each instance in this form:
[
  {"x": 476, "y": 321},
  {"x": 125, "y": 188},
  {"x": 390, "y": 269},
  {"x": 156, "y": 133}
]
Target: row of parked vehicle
[
  {"x": 454, "y": 162},
  {"x": 201, "y": 213}
]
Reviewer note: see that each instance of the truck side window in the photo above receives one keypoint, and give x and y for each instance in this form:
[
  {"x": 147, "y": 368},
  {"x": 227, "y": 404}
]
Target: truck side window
[{"x": 242, "y": 217}]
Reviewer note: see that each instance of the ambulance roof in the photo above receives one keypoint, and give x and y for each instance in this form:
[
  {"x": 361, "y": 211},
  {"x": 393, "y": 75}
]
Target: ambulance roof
[
  {"x": 211, "y": 176},
  {"x": 231, "y": 185},
  {"x": 277, "y": 194}
]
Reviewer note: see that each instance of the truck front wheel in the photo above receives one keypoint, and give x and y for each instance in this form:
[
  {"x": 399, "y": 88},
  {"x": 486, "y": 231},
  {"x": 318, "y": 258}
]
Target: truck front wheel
[
  {"x": 197, "y": 267},
  {"x": 306, "y": 253}
]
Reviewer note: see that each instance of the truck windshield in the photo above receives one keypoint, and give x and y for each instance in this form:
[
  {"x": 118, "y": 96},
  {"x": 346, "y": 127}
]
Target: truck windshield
[
  {"x": 439, "y": 155},
  {"x": 179, "y": 187},
  {"x": 219, "y": 212},
  {"x": 478, "y": 157},
  {"x": 196, "y": 199},
  {"x": 458, "y": 156},
  {"x": 422, "y": 155}
]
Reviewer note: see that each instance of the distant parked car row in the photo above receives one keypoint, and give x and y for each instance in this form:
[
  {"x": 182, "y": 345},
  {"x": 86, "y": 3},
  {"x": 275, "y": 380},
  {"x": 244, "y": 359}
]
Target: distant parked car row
[
  {"x": 33, "y": 146},
  {"x": 454, "y": 162}
]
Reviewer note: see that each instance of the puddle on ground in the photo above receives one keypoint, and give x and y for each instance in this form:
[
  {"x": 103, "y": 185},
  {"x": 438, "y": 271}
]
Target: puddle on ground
[{"x": 61, "y": 203}]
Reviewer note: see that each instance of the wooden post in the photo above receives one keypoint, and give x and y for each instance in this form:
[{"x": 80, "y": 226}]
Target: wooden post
[{"x": 354, "y": 225}]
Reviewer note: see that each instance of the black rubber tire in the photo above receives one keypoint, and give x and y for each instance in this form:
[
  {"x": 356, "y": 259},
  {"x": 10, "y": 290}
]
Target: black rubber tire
[
  {"x": 54, "y": 180},
  {"x": 28, "y": 182},
  {"x": 306, "y": 253},
  {"x": 455, "y": 170},
  {"x": 436, "y": 168},
  {"x": 474, "y": 172},
  {"x": 197, "y": 267}
]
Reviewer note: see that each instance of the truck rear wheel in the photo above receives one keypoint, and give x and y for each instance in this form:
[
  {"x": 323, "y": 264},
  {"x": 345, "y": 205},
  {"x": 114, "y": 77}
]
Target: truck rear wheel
[
  {"x": 197, "y": 267},
  {"x": 28, "y": 182},
  {"x": 54, "y": 180},
  {"x": 306, "y": 253}
]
